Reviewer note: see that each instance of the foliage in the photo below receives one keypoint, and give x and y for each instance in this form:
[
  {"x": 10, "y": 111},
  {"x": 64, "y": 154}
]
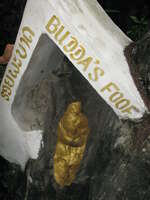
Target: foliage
[
  {"x": 138, "y": 28},
  {"x": 112, "y": 11}
]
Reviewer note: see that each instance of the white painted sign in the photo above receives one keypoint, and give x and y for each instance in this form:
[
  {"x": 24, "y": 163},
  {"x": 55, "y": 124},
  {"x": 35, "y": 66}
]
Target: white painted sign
[{"x": 91, "y": 41}]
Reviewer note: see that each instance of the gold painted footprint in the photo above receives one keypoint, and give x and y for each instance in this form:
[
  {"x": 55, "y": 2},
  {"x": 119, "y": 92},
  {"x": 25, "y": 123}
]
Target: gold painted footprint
[{"x": 72, "y": 136}]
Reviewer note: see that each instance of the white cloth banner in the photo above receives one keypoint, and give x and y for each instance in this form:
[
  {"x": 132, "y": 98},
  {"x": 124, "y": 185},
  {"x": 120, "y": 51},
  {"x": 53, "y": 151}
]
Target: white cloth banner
[{"x": 95, "y": 46}]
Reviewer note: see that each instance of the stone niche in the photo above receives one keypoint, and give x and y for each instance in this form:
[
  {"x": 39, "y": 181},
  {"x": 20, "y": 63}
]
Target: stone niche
[
  {"x": 49, "y": 84},
  {"x": 40, "y": 73}
]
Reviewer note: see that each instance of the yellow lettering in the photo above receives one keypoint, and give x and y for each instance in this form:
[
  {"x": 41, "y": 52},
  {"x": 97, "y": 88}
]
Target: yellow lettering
[
  {"x": 128, "y": 110},
  {"x": 25, "y": 41},
  {"x": 22, "y": 55},
  {"x": 79, "y": 54},
  {"x": 16, "y": 63},
  {"x": 27, "y": 33},
  {"x": 115, "y": 97},
  {"x": 6, "y": 92},
  {"x": 97, "y": 72},
  {"x": 62, "y": 38},
  {"x": 4, "y": 95},
  {"x": 9, "y": 81},
  {"x": 125, "y": 103},
  {"x": 53, "y": 24},
  {"x": 86, "y": 62},
  {"x": 13, "y": 73},
  {"x": 71, "y": 46},
  {"x": 108, "y": 86}
]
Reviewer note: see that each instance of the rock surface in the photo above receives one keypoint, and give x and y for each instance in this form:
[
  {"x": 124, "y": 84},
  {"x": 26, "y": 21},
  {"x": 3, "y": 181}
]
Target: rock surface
[{"x": 111, "y": 168}]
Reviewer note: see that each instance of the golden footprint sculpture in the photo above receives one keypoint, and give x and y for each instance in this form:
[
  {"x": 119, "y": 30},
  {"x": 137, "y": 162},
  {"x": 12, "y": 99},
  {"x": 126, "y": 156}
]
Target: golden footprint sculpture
[{"x": 72, "y": 136}]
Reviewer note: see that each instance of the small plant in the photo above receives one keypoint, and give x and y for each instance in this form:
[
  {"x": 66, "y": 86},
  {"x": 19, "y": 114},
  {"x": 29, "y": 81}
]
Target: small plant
[
  {"x": 139, "y": 27},
  {"x": 112, "y": 11}
]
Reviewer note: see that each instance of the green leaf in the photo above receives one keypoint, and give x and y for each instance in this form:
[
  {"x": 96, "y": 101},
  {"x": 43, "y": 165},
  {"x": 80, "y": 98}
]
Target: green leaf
[
  {"x": 135, "y": 19},
  {"x": 112, "y": 11}
]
